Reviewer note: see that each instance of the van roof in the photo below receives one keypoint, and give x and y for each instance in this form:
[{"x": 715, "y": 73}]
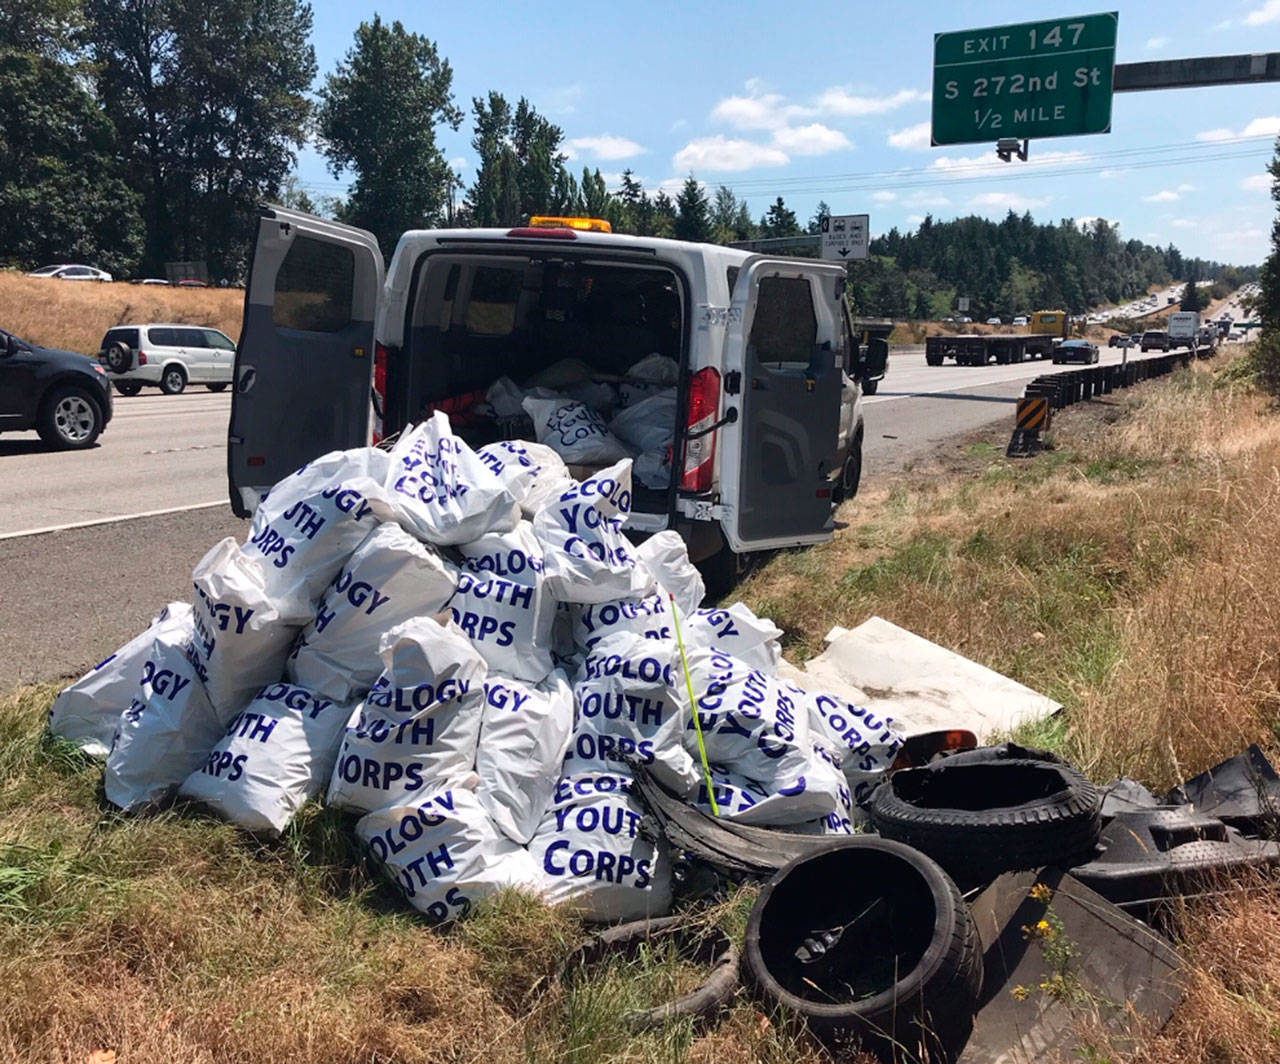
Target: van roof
[{"x": 580, "y": 238}]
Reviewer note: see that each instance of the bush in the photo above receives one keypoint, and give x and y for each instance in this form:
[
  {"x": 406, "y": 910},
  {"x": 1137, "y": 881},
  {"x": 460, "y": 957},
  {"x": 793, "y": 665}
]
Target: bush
[{"x": 1264, "y": 360}]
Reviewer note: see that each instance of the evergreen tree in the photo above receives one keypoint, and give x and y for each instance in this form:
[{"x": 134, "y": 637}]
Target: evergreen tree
[
  {"x": 520, "y": 168},
  {"x": 636, "y": 210},
  {"x": 693, "y": 217},
  {"x": 664, "y": 216},
  {"x": 378, "y": 115},
  {"x": 779, "y": 221},
  {"x": 1265, "y": 356},
  {"x": 819, "y": 213},
  {"x": 1191, "y": 298}
]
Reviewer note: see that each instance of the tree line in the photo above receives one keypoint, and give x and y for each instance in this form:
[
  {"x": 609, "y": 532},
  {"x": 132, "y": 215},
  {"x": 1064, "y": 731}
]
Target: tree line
[{"x": 139, "y": 132}]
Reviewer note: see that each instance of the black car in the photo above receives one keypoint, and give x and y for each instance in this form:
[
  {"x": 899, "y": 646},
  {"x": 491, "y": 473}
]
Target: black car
[
  {"x": 64, "y": 396},
  {"x": 1075, "y": 351}
]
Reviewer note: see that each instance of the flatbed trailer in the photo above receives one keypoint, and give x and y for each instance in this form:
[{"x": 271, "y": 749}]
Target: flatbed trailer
[{"x": 1001, "y": 348}]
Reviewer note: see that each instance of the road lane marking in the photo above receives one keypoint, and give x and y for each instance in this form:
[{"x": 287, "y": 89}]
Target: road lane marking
[{"x": 113, "y": 520}]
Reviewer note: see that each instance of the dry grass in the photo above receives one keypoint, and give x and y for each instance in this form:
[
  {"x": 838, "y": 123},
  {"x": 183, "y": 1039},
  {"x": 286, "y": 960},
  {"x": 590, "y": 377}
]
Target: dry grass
[
  {"x": 74, "y": 316},
  {"x": 1130, "y": 572}
]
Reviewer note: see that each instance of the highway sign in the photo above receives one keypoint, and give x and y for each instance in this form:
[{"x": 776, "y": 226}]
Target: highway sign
[
  {"x": 1029, "y": 80},
  {"x": 844, "y": 236}
]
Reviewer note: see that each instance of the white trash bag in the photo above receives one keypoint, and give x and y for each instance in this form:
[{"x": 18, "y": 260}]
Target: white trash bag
[
  {"x": 574, "y": 431},
  {"x": 310, "y": 521},
  {"x": 532, "y": 472},
  {"x": 821, "y": 792},
  {"x": 241, "y": 638},
  {"x": 653, "y": 469},
  {"x": 737, "y": 631},
  {"x": 865, "y": 743},
  {"x": 631, "y": 701},
  {"x": 523, "y": 739},
  {"x": 590, "y": 855},
  {"x": 443, "y": 493},
  {"x": 164, "y": 734},
  {"x": 588, "y": 558},
  {"x": 87, "y": 712},
  {"x": 444, "y": 853},
  {"x": 752, "y": 724},
  {"x": 652, "y": 374},
  {"x": 648, "y": 425},
  {"x": 666, "y": 556},
  {"x": 419, "y": 725},
  {"x": 649, "y": 617},
  {"x": 272, "y": 758},
  {"x": 502, "y": 603},
  {"x": 390, "y": 578}
]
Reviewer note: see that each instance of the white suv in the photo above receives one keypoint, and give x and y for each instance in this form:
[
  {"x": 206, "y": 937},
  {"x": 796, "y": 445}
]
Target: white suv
[{"x": 170, "y": 356}]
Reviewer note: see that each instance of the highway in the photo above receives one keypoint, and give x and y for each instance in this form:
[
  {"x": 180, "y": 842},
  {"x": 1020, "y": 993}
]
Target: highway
[{"x": 135, "y": 513}]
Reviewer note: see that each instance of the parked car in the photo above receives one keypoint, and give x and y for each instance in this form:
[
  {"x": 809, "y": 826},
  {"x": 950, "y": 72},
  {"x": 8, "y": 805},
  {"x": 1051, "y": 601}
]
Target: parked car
[
  {"x": 71, "y": 272},
  {"x": 994, "y": 321},
  {"x": 768, "y": 426},
  {"x": 1155, "y": 340},
  {"x": 64, "y": 396},
  {"x": 1075, "y": 351},
  {"x": 168, "y": 356}
]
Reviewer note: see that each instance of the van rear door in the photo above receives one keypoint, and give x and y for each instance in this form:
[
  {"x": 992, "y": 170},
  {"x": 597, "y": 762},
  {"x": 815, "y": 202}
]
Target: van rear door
[
  {"x": 785, "y": 339},
  {"x": 304, "y": 364}
]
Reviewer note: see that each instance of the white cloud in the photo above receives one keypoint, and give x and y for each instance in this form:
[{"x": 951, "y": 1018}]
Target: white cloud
[
  {"x": 884, "y": 197},
  {"x": 813, "y": 139},
  {"x": 564, "y": 99},
  {"x": 976, "y": 165},
  {"x": 1155, "y": 43},
  {"x": 915, "y": 219},
  {"x": 1263, "y": 127},
  {"x": 913, "y": 138},
  {"x": 458, "y": 164},
  {"x": 839, "y": 101},
  {"x": 1268, "y": 12},
  {"x": 1256, "y": 183},
  {"x": 1165, "y": 195},
  {"x": 768, "y": 111},
  {"x": 1186, "y": 188},
  {"x": 720, "y": 153},
  {"x": 606, "y": 147},
  {"x": 1184, "y": 223},
  {"x": 1268, "y": 126},
  {"x": 1006, "y": 201}
]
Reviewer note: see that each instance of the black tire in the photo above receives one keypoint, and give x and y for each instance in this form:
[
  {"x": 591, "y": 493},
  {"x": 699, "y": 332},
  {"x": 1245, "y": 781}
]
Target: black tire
[
  {"x": 217, "y": 387},
  {"x": 722, "y": 571},
  {"x": 173, "y": 380},
  {"x": 905, "y": 968},
  {"x": 870, "y": 387},
  {"x": 850, "y": 472},
  {"x": 932, "y": 360},
  {"x": 128, "y": 388},
  {"x": 118, "y": 357},
  {"x": 980, "y": 818},
  {"x": 70, "y": 419}
]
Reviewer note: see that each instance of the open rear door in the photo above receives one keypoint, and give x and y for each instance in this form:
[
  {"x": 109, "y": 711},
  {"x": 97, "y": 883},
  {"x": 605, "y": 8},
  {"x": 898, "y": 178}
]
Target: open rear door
[
  {"x": 785, "y": 338},
  {"x": 304, "y": 364}
]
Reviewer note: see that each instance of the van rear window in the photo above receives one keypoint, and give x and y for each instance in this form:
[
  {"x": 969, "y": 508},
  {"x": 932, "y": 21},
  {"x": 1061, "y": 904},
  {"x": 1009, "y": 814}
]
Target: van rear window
[
  {"x": 491, "y": 308},
  {"x": 785, "y": 327},
  {"x": 314, "y": 287}
]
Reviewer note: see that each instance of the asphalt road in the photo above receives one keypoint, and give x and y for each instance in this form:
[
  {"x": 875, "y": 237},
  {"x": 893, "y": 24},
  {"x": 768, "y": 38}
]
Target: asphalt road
[{"x": 71, "y": 596}]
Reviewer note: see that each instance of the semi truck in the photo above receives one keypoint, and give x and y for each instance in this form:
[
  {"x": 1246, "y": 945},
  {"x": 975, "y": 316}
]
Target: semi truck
[{"x": 1045, "y": 330}]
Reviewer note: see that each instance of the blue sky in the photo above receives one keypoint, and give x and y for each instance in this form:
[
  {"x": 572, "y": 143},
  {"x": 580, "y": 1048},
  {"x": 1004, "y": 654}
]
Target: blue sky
[{"x": 830, "y": 101}]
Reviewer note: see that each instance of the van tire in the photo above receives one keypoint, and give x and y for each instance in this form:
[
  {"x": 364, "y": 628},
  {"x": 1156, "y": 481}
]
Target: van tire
[
  {"x": 722, "y": 571},
  {"x": 128, "y": 388},
  {"x": 850, "y": 472},
  {"x": 173, "y": 380}
]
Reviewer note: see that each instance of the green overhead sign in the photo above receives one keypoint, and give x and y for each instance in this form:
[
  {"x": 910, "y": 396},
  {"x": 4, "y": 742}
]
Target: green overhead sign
[{"x": 1030, "y": 80}]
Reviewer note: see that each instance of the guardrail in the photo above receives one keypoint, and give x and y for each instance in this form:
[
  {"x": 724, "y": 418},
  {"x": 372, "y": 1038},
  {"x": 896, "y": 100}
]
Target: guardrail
[{"x": 1078, "y": 385}]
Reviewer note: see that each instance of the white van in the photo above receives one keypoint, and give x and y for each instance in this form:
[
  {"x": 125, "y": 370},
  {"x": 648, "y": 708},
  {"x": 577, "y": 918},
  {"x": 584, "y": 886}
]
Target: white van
[{"x": 768, "y": 429}]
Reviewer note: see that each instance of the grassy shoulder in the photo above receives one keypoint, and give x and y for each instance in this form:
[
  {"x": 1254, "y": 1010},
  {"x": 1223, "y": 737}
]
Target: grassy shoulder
[
  {"x": 74, "y": 315},
  {"x": 1129, "y": 572}
]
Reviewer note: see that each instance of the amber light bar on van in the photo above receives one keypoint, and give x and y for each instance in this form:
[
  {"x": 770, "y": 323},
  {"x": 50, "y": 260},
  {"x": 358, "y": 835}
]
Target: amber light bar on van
[{"x": 585, "y": 225}]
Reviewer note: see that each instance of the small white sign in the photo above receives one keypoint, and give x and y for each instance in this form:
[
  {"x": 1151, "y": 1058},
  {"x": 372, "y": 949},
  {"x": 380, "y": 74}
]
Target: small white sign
[
  {"x": 844, "y": 236},
  {"x": 962, "y": 304}
]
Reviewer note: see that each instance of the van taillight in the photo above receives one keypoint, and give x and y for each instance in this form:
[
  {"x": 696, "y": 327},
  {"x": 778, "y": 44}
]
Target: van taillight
[
  {"x": 700, "y": 453},
  {"x": 142, "y": 358},
  {"x": 379, "y": 389}
]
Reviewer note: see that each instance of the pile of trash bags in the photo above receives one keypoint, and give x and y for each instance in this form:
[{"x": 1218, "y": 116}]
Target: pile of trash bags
[{"x": 464, "y": 650}]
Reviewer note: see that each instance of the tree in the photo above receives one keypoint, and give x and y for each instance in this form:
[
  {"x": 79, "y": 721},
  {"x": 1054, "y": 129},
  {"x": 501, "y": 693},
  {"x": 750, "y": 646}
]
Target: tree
[
  {"x": 62, "y": 196},
  {"x": 208, "y": 98},
  {"x": 1191, "y": 299},
  {"x": 520, "y": 169},
  {"x": 779, "y": 220},
  {"x": 636, "y": 210},
  {"x": 377, "y": 116},
  {"x": 1265, "y": 356},
  {"x": 664, "y": 216},
  {"x": 693, "y": 213},
  {"x": 819, "y": 213}
]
